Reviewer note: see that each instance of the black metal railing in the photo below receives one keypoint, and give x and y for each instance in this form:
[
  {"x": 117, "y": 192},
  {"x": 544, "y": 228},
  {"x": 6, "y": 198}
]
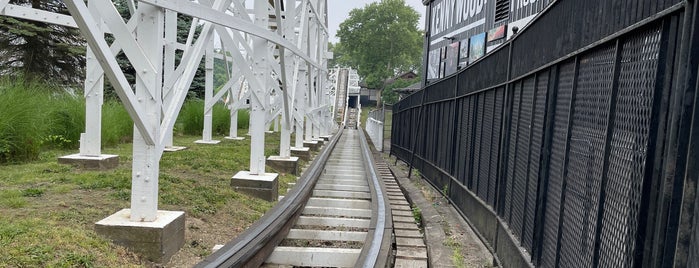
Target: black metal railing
[{"x": 574, "y": 140}]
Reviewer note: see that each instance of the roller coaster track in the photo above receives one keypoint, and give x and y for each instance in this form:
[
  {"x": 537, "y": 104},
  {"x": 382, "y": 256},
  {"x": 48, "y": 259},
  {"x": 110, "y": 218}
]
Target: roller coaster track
[{"x": 337, "y": 215}]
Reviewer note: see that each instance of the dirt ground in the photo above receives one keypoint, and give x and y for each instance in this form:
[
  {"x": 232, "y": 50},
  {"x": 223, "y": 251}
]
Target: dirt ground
[{"x": 451, "y": 240}]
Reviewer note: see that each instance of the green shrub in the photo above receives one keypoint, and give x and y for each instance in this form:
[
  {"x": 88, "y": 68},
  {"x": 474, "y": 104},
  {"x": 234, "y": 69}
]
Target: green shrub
[
  {"x": 23, "y": 120},
  {"x": 67, "y": 121},
  {"x": 117, "y": 126},
  {"x": 191, "y": 119}
]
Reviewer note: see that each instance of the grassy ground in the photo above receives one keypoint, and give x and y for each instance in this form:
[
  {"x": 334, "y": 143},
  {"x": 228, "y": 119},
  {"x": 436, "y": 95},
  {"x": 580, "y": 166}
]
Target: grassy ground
[{"x": 49, "y": 210}]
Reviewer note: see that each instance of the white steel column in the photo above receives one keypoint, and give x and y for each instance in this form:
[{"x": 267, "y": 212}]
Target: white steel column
[
  {"x": 146, "y": 157},
  {"x": 90, "y": 141},
  {"x": 209, "y": 100},
  {"x": 257, "y": 105},
  {"x": 169, "y": 70}
]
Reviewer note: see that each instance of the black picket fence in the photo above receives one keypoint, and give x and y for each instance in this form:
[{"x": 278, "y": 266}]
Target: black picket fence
[{"x": 574, "y": 140}]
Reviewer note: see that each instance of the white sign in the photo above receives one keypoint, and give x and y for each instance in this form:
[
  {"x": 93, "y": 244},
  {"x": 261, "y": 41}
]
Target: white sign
[
  {"x": 447, "y": 14},
  {"x": 518, "y": 4}
]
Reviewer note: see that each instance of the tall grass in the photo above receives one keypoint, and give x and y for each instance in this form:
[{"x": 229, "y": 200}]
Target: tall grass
[
  {"x": 117, "y": 126},
  {"x": 191, "y": 119},
  {"x": 35, "y": 116},
  {"x": 23, "y": 120}
]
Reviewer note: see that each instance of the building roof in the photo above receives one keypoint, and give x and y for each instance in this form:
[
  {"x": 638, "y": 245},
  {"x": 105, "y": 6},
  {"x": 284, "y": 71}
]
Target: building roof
[{"x": 409, "y": 89}]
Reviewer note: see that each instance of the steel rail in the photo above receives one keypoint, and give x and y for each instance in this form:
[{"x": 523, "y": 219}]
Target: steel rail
[
  {"x": 252, "y": 247},
  {"x": 374, "y": 253}
]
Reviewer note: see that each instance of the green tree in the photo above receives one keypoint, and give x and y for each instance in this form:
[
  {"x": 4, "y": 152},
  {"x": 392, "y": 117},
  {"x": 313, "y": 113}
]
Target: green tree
[
  {"x": 389, "y": 96},
  {"x": 183, "y": 24},
  {"x": 381, "y": 40},
  {"x": 41, "y": 51}
]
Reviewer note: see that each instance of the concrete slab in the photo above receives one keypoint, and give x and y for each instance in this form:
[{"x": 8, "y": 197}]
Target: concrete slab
[
  {"x": 207, "y": 142},
  {"x": 264, "y": 186},
  {"x": 302, "y": 152},
  {"x": 340, "y": 187},
  {"x": 329, "y": 211},
  {"x": 412, "y": 253},
  {"x": 408, "y": 219},
  {"x": 171, "y": 149},
  {"x": 333, "y": 222},
  {"x": 342, "y": 194},
  {"x": 323, "y": 180},
  {"x": 101, "y": 162},
  {"x": 410, "y": 242},
  {"x": 408, "y": 233},
  {"x": 405, "y": 226},
  {"x": 288, "y": 165},
  {"x": 339, "y": 203},
  {"x": 408, "y": 263},
  {"x": 320, "y": 141},
  {"x": 157, "y": 241},
  {"x": 402, "y": 213},
  {"x": 306, "y": 234},
  {"x": 314, "y": 145},
  {"x": 234, "y": 138},
  {"x": 314, "y": 257}
]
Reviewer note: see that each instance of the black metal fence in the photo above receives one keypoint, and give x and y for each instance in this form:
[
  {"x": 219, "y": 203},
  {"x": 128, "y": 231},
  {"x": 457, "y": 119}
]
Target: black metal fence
[{"x": 573, "y": 141}]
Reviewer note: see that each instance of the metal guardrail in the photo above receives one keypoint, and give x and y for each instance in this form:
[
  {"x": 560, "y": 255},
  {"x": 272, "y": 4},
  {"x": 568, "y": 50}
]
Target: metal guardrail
[{"x": 374, "y": 127}]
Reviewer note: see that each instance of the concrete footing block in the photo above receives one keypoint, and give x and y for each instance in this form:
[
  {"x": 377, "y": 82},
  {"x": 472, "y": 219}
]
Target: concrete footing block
[
  {"x": 174, "y": 148},
  {"x": 303, "y": 153},
  {"x": 326, "y": 137},
  {"x": 101, "y": 162},
  {"x": 157, "y": 241},
  {"x": 288, "y": 165},
  {"x": 207, "y": 142},
  {"x": 314, "y": 145},
  {"x": 234, "y": 138},
  {"x": 320, "y": 141},
  {"x": 265, "y": 186}
]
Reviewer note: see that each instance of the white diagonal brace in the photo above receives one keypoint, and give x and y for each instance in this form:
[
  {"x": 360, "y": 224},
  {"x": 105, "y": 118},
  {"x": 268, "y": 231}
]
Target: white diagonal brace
[
  {"x": 34, "y": 14},
  {"x": 116, "y": 47},
  {"x": 123, "y": 36},
  {"x": 223, "y": 19},
  {"x": 3, "y": 3},
  {"x": 88, "y": 27},
  {"x": 238, "y": 58}
]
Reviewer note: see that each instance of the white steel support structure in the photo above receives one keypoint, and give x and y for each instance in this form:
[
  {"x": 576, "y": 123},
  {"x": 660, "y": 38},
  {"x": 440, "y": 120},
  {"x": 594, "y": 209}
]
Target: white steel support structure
[
  {"x": 90, "y": 141},
  {"x": 146, "y": 155},
  {"x": 149, "y": 42},
  {"x": 258, "y": 105},
  {"x": 209, "y": 99},
  {"x": 90, "y": 154}
]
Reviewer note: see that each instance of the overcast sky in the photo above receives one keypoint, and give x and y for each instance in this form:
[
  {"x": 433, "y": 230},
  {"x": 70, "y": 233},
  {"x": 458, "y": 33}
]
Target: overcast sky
[{"x": 338, "y": 11}]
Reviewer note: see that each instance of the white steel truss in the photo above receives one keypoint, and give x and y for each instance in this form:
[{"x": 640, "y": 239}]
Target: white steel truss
[{"x": 277, "y": 61}]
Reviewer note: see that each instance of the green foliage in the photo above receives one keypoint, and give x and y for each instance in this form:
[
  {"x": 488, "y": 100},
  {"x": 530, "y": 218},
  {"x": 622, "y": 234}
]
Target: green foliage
[
  {"x": 38, "y": 50},
  {"x": 417, "y": 215},
  {"x": 117, "y": 126},
  {"x": 32, "y": 192},
  {"x": 23, "y": 121},
  {"x": 33, "y": 118},
  {"x": 12, "y": 199},
  {"x": 191, "y": 119},
  {"x": 388, "y": 96},
  {"x": 380, "y": 40},
  {"x": 183, "y": 25},
  {"x": 67, "y": 114}
]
